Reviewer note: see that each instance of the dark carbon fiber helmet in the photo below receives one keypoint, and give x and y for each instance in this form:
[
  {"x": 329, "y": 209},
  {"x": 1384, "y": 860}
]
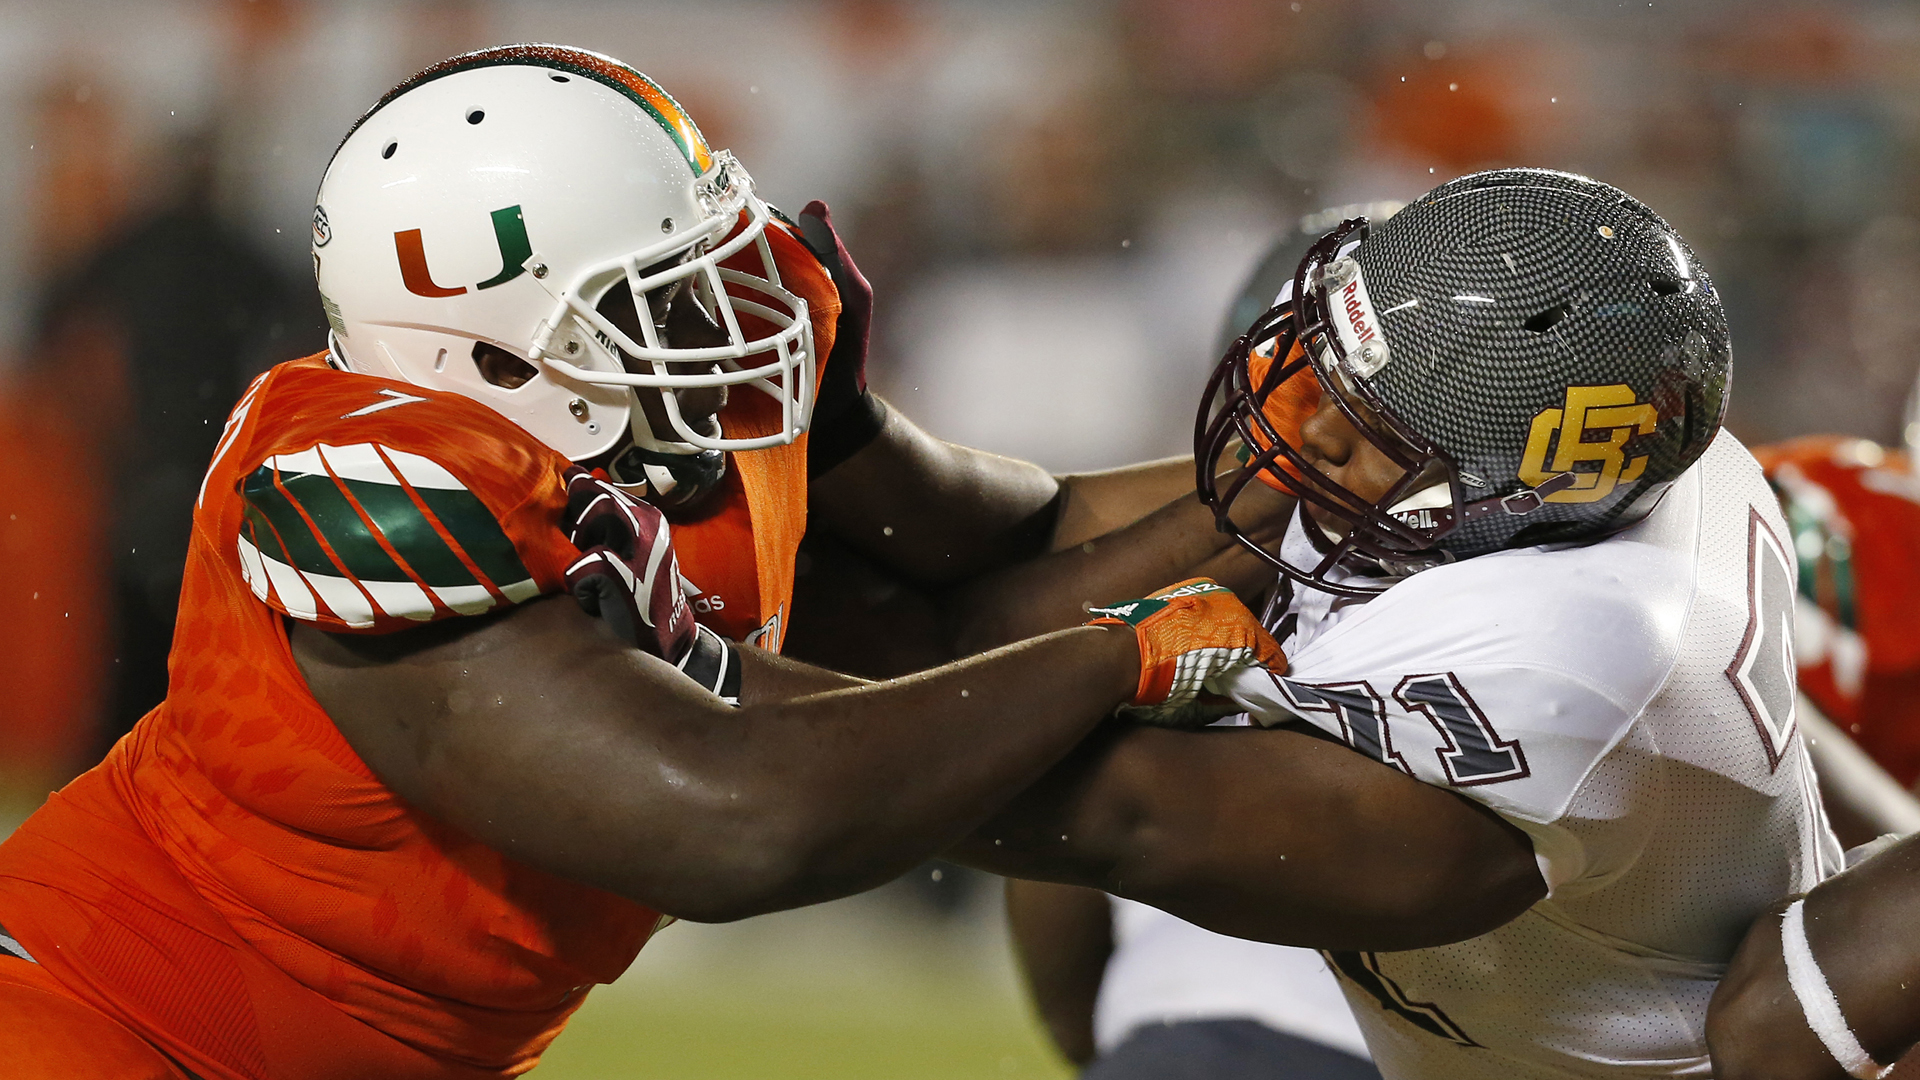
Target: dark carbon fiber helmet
[{"x": 1539, "y": 351}]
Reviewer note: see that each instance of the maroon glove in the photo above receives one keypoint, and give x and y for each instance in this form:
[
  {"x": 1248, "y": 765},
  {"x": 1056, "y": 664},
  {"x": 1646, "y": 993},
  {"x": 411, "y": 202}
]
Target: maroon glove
[
  {"x": 846, "y": 417},
  {"x": 627, "y": 573}
]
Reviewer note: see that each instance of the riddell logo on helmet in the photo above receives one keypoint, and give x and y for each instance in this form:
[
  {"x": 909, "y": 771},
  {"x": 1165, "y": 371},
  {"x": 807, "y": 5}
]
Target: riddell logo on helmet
[
  {"x": 1358, "y": 311},
  {"x": 509, "y": 233},
  {"x": 1358, "y": 326},
  {"x": 1416, "y": 519}
]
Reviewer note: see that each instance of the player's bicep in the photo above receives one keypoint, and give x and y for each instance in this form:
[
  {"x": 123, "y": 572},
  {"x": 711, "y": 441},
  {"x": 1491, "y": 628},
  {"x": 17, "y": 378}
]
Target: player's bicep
[{"x": 539, "y": 733}]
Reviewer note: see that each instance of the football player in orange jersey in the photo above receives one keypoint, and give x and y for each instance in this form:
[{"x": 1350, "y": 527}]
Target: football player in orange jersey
[{"x": 405, "y": 803}]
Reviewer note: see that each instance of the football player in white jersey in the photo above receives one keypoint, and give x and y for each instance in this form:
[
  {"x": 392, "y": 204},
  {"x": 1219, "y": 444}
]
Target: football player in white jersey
[{"x": 1533, "y": 767}]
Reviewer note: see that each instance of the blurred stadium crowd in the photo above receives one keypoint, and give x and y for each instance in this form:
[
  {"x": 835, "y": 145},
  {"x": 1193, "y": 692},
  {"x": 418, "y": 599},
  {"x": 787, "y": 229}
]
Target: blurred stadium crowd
[{"x": 1056, "y": 201}]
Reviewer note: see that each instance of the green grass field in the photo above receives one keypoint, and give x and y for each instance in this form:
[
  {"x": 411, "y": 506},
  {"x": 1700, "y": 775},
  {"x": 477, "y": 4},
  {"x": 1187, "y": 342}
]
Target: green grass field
[
  {"x": 864, "y": 989},
  {"x": 792, "y": 1031}
]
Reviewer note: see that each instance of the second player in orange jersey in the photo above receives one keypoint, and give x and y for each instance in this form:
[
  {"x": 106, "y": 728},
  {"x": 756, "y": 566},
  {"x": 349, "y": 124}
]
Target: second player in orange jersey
[{"x": 1854, "y": 509}]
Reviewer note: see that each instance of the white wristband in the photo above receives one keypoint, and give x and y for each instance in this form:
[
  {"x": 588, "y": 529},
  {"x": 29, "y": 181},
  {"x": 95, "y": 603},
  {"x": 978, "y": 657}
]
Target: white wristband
[{"x": 1816, "y": 999}]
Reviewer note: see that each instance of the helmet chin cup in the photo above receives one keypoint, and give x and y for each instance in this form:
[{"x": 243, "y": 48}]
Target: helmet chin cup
[{"x": 669, "y": 479}]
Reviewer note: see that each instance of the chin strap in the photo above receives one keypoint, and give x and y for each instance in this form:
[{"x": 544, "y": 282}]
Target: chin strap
[
  {"x": 1520, "y": 503},
  {"x": 670, "y": 479}
]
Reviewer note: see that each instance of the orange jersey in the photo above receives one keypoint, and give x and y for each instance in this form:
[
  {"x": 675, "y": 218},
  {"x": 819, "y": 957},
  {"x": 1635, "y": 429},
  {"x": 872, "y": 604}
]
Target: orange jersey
[
  {"x": 1854, "y": 511},
  {"x": 232, "y": 883}
]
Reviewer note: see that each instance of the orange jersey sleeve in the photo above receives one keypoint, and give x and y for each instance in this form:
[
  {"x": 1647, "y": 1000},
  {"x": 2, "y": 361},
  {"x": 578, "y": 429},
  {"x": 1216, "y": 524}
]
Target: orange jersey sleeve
[{"x": 360, "y": 504}]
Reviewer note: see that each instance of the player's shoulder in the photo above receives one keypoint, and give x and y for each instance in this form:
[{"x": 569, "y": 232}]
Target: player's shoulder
[
  {"x": 1602, "y": 622},
  {"x": 309, "y": 400},
  {"x": 359, "y": 503},
  {"x": 1608, "y": 615}
]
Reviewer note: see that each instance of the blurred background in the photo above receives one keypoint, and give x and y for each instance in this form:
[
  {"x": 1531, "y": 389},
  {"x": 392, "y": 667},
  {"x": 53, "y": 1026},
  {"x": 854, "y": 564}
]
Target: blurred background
[{"x": 1056, "y": 202}]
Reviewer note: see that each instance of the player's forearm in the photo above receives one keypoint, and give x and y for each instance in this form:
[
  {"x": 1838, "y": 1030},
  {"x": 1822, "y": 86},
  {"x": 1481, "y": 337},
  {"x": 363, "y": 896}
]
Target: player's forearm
[
  {"x": 1097, "y": 503},
  {"x": 1755, "y": 1029},
  {"x": 982, "y": 527},
  {"x": 547, "y": 738},
  {"x": 843, "y": 790},
  {"x": 1271, "y": 835},
  {"x": 1175, "y": 542},
  {"x": 769, "y": 678},
  {"x": 1063, "y": 938},
  {"x": 1859, "y": 930},
  {"x": 932, "y": 511}
]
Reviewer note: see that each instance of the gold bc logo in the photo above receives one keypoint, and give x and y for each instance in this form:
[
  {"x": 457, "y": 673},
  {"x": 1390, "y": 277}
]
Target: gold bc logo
[{"x": 1586, "y": 437}]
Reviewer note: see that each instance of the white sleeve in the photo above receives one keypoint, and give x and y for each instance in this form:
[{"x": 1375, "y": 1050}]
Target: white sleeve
[
  {"x": 1519, "y": 740},
  {"x": 1509, "y": 698}
]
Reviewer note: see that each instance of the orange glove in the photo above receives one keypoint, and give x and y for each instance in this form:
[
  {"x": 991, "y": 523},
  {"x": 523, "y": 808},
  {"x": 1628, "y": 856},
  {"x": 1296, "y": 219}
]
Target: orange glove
[{"x": 1192, "y": 637}]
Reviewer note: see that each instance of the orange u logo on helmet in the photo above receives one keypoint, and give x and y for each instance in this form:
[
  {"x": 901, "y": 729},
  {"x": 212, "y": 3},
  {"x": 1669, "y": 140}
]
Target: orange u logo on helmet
[
  {"x": 1586, "y": 437},
  {"x": 509, "y": 232}
]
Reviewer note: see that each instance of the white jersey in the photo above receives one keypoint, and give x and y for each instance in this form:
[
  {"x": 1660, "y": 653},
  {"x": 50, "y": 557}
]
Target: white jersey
[
  {"x": 1166, "y": 970},
  {"x": 1629, "y": 705}
]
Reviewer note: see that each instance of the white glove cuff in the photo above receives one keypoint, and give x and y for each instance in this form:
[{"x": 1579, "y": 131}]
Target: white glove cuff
[{"x": 1816, "y": 999}]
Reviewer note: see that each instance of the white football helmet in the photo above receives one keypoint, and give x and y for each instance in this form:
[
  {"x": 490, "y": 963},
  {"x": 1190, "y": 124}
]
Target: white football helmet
[{"x": 496, "y": 197}]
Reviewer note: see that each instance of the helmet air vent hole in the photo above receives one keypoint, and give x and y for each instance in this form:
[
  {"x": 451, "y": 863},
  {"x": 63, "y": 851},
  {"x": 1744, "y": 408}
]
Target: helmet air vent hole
[
  {"x": 440, "y": 362},
  {"x": 474, "y": 116},
  {"x": 500, "y": 367},
  {"x": 1548, "y": 319},
  {"x": 556, "y": 77},
  {"x": 666, "y": 225},
  {"x": 1666, "y": 286},
  {"x": 387, "y": 151}
]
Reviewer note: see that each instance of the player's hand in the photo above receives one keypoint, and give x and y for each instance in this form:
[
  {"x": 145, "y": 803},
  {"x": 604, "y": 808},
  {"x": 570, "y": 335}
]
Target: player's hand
[
  {"x": 846, "y": 378},
  {"x": 1193, "y": 637},
  {"x": 627, "y": 572}
]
